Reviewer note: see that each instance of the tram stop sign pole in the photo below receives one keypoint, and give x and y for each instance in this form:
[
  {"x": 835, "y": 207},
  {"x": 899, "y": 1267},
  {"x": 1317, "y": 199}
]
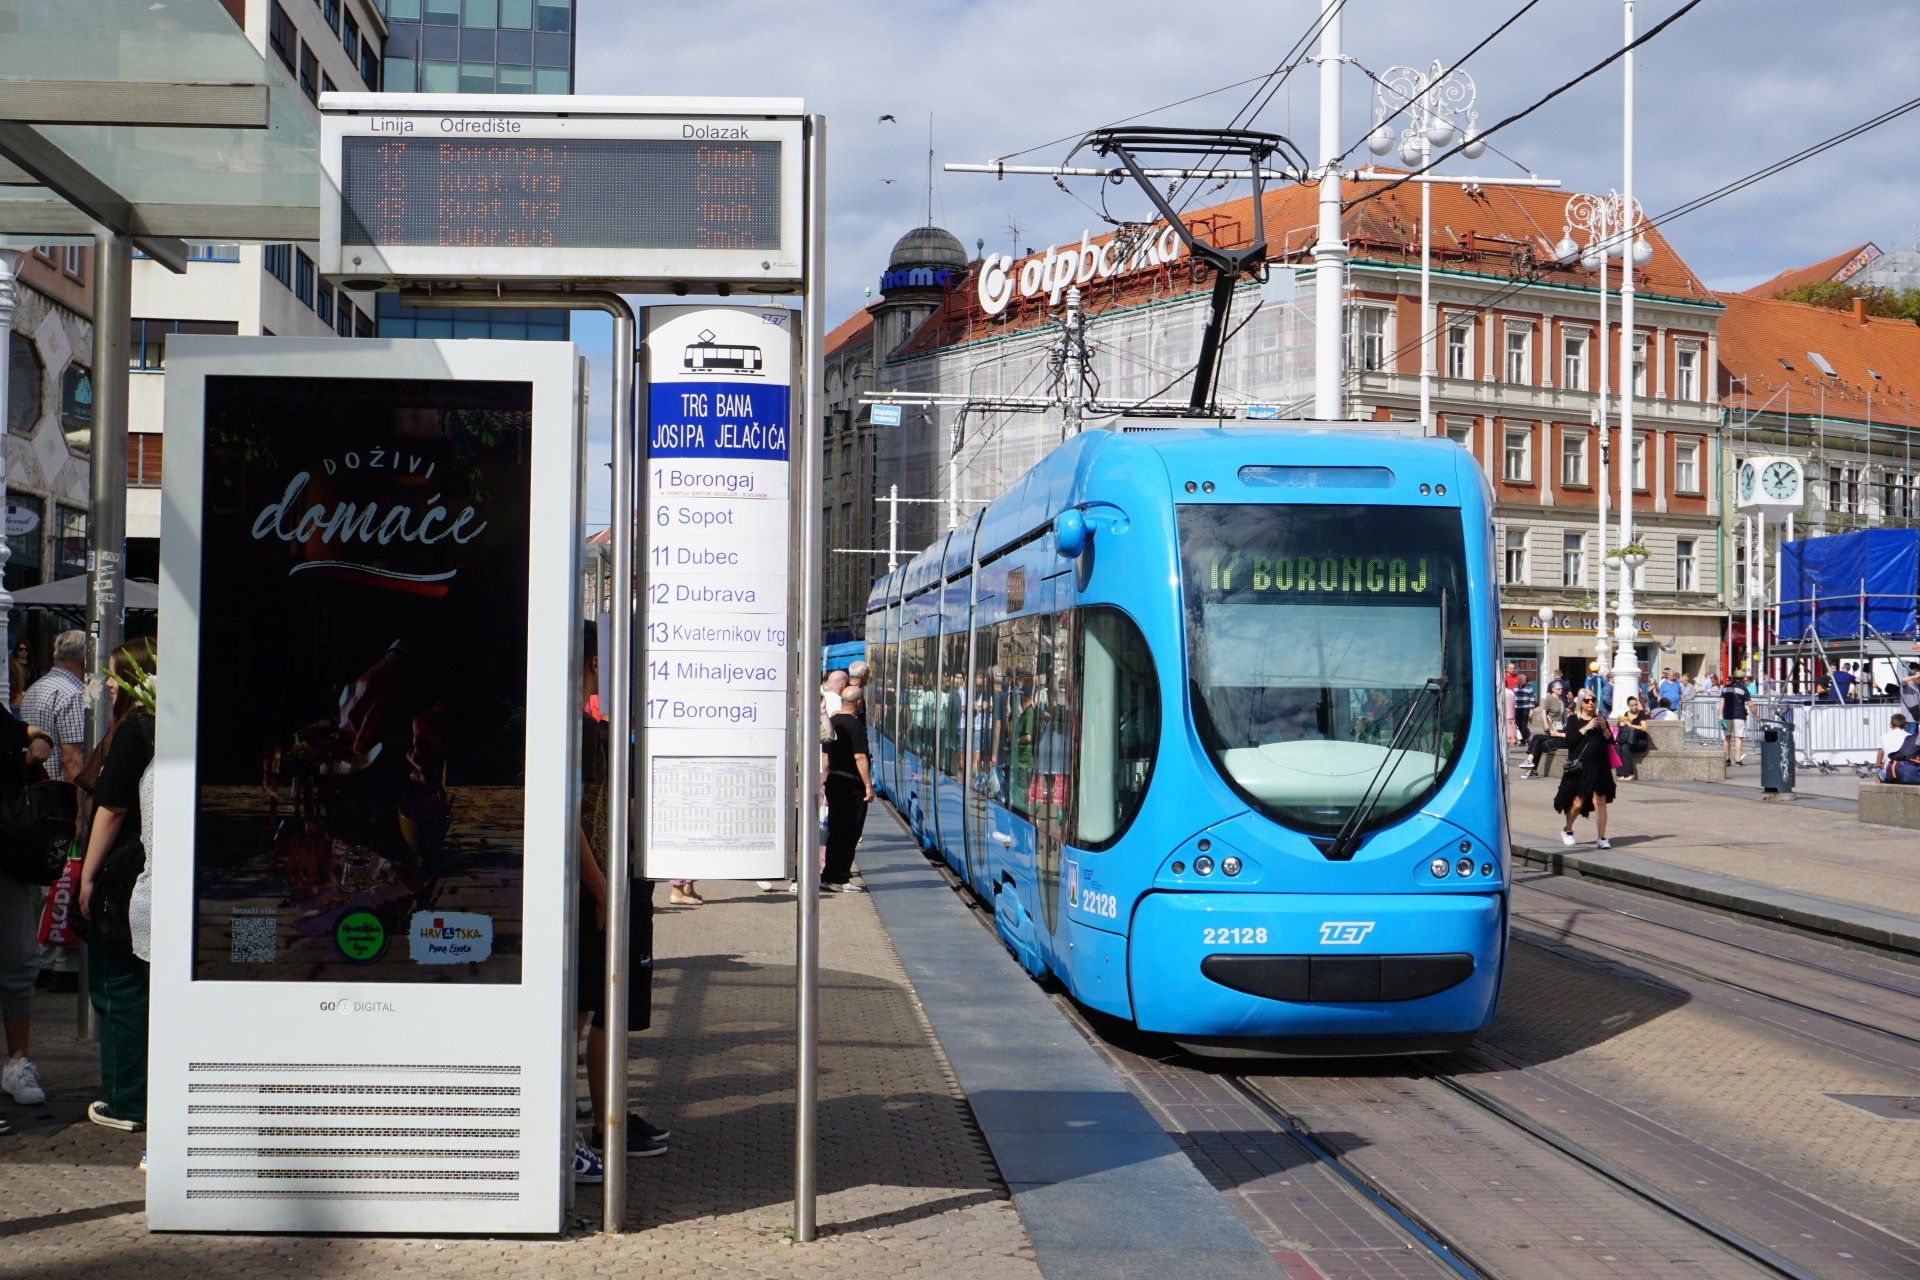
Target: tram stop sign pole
[{"x": 470, "y": 200}]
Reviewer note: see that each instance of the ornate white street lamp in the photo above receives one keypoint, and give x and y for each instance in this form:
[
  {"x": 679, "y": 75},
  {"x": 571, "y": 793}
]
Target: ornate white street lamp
[
  {"x": 1603, "y": 222},
  {"x": 1436, "y": 99}
]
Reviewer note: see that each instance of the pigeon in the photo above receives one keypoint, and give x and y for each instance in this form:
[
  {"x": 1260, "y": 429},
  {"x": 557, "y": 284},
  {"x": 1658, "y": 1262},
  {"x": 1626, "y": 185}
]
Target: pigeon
[
  {"x": 887, "y": 182},
  {"x": 886, "y": 120}
]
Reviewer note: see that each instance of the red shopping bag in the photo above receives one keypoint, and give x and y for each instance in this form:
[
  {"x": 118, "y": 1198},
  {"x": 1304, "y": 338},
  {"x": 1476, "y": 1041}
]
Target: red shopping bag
[{"x": 62, "y": 912}]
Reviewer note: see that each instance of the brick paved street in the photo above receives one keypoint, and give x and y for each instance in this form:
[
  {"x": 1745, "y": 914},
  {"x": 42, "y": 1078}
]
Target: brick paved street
[
  {"x": 1776, "y": 843},
  {"x": 907, "y": 1185}
]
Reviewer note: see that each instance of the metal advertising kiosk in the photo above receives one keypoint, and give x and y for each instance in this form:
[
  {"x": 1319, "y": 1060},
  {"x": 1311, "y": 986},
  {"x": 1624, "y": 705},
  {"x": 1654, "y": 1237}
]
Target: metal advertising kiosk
[{"x": 367, "y": 745}]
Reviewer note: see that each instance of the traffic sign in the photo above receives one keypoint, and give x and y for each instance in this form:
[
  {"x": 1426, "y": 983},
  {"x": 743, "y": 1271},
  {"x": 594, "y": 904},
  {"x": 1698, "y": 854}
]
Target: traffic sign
[{"x": 886, "y": 415}]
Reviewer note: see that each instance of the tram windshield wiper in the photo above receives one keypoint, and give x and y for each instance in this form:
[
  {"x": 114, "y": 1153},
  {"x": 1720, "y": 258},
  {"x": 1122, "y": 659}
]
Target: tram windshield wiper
[{"x": 1347, "y": 840}]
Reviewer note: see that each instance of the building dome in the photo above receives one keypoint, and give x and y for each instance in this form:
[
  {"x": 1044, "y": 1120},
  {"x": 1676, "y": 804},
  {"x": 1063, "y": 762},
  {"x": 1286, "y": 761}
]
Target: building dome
[{"x": 928, "y": 247}]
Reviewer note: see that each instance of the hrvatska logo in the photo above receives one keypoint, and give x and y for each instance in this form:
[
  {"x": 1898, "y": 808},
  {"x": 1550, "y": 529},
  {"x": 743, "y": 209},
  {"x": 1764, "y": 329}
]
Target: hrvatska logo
[{"x": 1345, "y": 933}]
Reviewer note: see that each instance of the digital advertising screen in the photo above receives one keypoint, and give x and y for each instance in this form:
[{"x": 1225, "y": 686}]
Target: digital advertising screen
[{"x": 361, "y": 747}]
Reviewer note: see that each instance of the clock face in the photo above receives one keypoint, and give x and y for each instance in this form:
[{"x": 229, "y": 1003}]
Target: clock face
[
  {"x": 1746, "y": 481},
  {"x": 1780, "y": 480}
]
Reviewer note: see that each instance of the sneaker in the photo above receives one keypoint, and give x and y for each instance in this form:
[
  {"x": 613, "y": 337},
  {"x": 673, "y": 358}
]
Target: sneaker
[
  {"x": 583, "y": 1108},
  {"x": 587, "y": 1166},
  {"x": 847, "y": 887},
  {"x": 637, "y": 1123},
  {"x": 143, "y": 1160},
  {"x": 766, "y": 886},
  {"x": 5, "y": 1128},
  {"x": 98, "y": 1113},
  {"x": 22, "y": 1079},
  {"x": 1566, "y": 837},
  {"x": 1603, "y": 843},
  {"x": 643, "y": 1140}
]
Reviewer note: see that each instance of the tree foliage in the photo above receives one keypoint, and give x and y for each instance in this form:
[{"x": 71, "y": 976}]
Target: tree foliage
[{"x": 1894, "y": 304}]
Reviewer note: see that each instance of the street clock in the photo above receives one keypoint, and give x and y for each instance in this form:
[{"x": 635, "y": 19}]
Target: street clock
[{"x": 1771, "y": 484}]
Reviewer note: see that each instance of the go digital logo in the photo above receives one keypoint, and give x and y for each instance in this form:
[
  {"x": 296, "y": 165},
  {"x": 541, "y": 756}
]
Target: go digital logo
[{"x": 347, "y": 1007}]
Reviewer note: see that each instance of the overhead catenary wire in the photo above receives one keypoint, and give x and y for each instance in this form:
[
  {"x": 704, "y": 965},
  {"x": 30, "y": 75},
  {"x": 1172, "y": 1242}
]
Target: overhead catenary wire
[{"x": 1524, "y": 112}]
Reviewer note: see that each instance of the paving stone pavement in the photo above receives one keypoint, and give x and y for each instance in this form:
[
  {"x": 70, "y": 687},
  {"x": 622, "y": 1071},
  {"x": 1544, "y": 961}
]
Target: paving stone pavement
[
  {"x": 1777, "y": 844},
  {"x": 907, "y": 1186}
]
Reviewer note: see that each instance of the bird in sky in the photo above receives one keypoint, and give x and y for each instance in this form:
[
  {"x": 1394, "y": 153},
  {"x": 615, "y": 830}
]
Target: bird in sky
[
  {"x": 886, "y": 120},
  {"x": 887, "y": 182}
]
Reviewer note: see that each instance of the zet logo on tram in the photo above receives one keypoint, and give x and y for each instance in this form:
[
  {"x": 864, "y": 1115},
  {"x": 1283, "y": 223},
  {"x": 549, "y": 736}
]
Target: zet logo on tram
[{"x": 1345, "y": 933}]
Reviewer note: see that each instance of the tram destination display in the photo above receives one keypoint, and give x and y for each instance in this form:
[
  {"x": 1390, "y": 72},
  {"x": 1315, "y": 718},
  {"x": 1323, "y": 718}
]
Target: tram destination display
[
  {"x": 488, "y": 188},
  {"x": 547, "y": 193}
]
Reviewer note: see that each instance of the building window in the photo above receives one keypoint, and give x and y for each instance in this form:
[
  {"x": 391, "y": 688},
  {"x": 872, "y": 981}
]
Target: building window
[
  {"x": 73, "y": 261},
  {"x": 1640, "y": 463},
  {"x": 147, "y": 339},
  {"x": 143, "y": 458},
  {"x": 480, "y": 13},
  {"x": 1459, "y": 348},
  {"x": 280, "y": 36},
  {"x": 323, "y": 303},
  {"x": 1369, "y": 338},
  {"x": 517, "y": 14},
  {"x": 1683, "y": 565},
  {"x": 1516, "y": 561},
  {"x": 440, "y": 77},
  {"x": 1686, "y": 373},
  {"x": 76, "y": 404},
  {"x": 1459, "y": 430},
  {"x": 1573, "y": 458},
  {"x": 213, "y": 253},
  {"x": 1896, "y": 496},
  {"x": 370, "y": 68},
  {"x": 330, "y": 10},
  {"x": 24, "y": 516},
  {"x": 303, "y": 276},
  {"x": 1519, "y": 365},
  {"x": 350, "y": 39},
  {"x": 555, "y": 15},
  {"x": 1573, "y": 559},
  {"x": 343, "y": 322},
  {"x": 1640, "y": 366},
  {"x": 362, "y": 324},
  {"x": 1573, "y": 361},
  {"x": 309, "y": 74},
  {"x": 1686, "y": 466},
  {"x": 26, "y": 376},
  {"x": 1517, "y": 464},
  {"x": 69, "y": 542},
  {"x": 476, "y": 77},
  {"x": 278, "y": 263},
  {"x": 444, "y": 13}
]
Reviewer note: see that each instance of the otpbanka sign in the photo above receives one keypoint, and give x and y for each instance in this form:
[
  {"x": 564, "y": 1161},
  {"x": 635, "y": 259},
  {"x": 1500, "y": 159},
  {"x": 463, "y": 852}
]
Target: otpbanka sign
[{"x": 1054, "y": 271}]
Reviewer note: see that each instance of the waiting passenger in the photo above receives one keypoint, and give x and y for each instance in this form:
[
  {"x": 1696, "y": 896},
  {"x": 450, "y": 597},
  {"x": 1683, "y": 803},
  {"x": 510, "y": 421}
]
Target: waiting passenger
[
  {"x": 1663, "y": 710},
  {"x": 1544, "y": 723},
  {"x": 1892, "y": 744}
]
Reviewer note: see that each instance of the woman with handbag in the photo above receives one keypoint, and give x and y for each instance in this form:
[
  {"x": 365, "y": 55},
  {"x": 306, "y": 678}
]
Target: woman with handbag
[
  {"x": 115, "y": 864},
  {"x": 22, "y": 750},
  {"x": 1586, "y": 777}
]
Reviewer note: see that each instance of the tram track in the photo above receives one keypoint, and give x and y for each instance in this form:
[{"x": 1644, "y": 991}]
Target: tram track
[
  {"x": 1558, "y": 936},
  {"x": 1412, "y": 1213}
]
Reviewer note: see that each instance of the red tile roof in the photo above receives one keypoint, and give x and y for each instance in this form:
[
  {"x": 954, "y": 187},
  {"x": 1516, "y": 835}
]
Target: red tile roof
[
  {"x": 1498, "y": 231},
  {"x": 854, "y": 328},
  {"x": 1819, "y": 273},
  {"x": 1756, "y": 334}
]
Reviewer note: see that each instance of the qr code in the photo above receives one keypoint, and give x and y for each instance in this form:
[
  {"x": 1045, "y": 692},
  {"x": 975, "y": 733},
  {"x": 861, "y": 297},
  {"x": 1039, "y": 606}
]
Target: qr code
[{"x": 254, "y": 939}]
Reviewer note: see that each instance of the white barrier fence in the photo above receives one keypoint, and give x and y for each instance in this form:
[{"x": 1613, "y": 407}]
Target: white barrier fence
[{"x": 1823, "y": 732}]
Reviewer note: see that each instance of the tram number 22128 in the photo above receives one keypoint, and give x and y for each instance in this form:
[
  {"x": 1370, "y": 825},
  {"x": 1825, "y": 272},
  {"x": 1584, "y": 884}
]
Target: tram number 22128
[{"x": 1228, "y": 937}]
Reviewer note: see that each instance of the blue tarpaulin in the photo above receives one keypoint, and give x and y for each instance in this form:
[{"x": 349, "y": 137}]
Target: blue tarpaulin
[{"x": 1823, "y": 580}]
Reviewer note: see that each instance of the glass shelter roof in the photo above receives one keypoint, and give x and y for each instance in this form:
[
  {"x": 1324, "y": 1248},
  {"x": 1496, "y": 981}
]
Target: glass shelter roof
[{"x": 155, "y": 118}]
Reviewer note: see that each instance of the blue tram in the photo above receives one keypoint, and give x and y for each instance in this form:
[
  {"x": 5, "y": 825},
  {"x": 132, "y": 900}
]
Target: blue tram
[{"x": 1211, "y": 718}]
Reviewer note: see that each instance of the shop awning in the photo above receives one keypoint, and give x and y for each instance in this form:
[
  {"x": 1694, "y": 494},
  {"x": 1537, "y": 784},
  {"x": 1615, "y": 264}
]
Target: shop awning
[{"x": 157, "y": 119}]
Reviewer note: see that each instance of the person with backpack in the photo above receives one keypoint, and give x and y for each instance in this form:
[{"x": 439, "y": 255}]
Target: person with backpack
[
  {"x": 1734, "y": 698},
  {"x": 116, "y": 862}
]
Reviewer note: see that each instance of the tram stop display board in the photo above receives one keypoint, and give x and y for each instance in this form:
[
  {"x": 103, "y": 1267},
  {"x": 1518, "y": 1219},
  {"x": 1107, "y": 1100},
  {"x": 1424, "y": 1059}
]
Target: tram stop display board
[
  {"x": 365, "y": 786},
  {"x": 716, "y": 521}
]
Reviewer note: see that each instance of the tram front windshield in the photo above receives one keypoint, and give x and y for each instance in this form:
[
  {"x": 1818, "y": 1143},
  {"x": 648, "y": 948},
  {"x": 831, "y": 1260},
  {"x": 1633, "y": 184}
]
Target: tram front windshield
[{"x": 1315, "y": 634}]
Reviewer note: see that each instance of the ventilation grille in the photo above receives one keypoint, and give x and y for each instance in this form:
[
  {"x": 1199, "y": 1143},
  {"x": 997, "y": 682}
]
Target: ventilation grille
[{"x": 353, "y": 1131}]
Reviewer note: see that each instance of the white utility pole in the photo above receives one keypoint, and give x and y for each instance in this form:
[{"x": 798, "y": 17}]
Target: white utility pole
[
  {"x": 893, "y": 527},
  {"x": 1626, "y": 662},
  {"x": 1073, "y": 368},
  {"x": 1329, "y": 251}
]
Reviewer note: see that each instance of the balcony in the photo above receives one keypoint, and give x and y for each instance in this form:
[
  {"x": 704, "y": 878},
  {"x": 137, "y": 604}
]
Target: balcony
[{"x": 1510, "y": 399}]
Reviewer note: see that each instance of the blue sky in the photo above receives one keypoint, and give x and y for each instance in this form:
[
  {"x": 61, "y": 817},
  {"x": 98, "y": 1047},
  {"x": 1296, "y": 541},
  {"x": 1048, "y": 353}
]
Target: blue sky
[{"x": 1732, "y": 86}]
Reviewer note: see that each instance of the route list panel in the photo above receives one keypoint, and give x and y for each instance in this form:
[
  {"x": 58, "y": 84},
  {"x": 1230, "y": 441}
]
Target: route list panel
[{"x": 717, "y": 558}]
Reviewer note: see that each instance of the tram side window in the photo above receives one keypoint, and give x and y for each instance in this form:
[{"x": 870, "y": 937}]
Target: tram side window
[
  {"x": 1054, "y": 757},
  {"x": 1018, "y": 642},
  {"x": 984, "y": 719},
  {"x": 1119, "y": 726},
  {"x": 916, "y": 728},
  {"x": 952, "y": 702}
]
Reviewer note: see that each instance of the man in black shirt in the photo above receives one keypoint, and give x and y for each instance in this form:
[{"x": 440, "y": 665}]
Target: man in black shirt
[{"x": 849, "y": 791}]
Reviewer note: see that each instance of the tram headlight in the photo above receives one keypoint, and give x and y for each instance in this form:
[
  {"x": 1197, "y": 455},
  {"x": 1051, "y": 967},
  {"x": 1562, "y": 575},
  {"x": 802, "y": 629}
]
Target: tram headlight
[
  {"x": 1203, "y": 865},
  {"x": 1464, "y": 867},
  {"x": 1439, "y": 868},
  {"x": 1230, "y": 865},
  {"x": 1486, "y": 868}
]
